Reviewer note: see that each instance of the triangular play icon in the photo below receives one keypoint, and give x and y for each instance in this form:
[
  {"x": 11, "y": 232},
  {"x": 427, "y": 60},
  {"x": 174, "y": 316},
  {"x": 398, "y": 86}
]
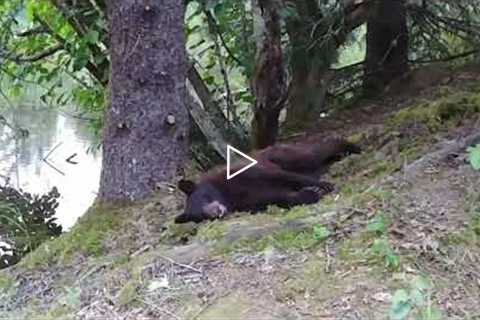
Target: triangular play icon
[{"x": 251, "y": 164}]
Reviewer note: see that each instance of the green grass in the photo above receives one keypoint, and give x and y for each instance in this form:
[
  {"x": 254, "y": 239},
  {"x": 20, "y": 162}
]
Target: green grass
[
  {"x": 439, "y": 114},
  {"x": 211, "y": 231},
  {"x": 284, "y": 239},
  {"x": 128, "y": 294},
  {"x": 86, "y": 237},
  {"x": 6, "y": 282}
]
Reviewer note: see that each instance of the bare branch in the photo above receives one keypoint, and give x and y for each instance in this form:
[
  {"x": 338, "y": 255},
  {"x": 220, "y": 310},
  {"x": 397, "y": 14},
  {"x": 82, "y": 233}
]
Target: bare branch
[
  {"x": 214, "y": 26},
  {"x": 38, "y": 56},
  {"x": 449, "y": 58},
  {"x": 96, "y": 73}
]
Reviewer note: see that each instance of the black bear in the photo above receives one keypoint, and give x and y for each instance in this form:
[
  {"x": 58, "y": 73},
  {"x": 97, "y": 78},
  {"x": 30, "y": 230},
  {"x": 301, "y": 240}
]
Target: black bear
[{"x": 285, "y": 175}]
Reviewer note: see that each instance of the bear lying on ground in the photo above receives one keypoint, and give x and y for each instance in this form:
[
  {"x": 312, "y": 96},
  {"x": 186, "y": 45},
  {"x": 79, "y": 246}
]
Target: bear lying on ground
[{"x": 285, "y": 175}]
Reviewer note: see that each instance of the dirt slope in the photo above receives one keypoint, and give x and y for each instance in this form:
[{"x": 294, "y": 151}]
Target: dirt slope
[{"x": 399, "y": 239}]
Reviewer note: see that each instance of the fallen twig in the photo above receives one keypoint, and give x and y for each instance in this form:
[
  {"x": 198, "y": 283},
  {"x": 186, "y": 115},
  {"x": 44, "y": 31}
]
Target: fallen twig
[
  {"x": 186, "y": 266},
  {"x": 156, "y": 307},
  {"x": 141, "y": 250}
]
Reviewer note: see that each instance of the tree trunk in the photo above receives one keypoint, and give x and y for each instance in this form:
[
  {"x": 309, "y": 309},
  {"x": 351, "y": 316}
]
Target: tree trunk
[
  {"x": 233, "y": 131},
  {"x": 145, "y": 134},
  {"x": 311, "y": 58},
  {"x": 387, "y": 45},
  {"x": 204, "y": 123},
  {"x": 306, "y": 101},
  {"x": 307, "y": 65},
  {"x": 268, "y": 81}
]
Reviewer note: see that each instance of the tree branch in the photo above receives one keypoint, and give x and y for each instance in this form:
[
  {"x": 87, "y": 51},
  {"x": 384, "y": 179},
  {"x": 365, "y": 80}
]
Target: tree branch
[
  {"x": 214, "y": 26},
  {"x": 32, "y": 32},
  {"x": 92, "y": 68},
  {"x": 213, "y": 29},
  {"x": 39, "y": 55},
  {"x": 353, "y": 65},
  {"x": 356, "y": 13},
  {"x": 449, "y": 58}
]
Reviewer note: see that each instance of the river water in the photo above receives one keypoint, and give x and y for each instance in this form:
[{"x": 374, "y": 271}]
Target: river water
[{"x": 57, "y": 136}]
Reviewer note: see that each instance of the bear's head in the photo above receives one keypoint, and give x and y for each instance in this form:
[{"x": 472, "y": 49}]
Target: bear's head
[
  {"x": 343, "y": 148},
  {"x": 351, "y": 148},
  {"x": 204, "y": 202}
]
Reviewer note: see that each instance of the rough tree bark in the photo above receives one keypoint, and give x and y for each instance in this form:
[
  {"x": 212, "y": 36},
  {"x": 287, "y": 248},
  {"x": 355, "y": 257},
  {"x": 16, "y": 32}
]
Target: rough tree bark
[
  {"x": 268, "y": 81},
  {"x": 387, "y": 45},
  {"x": 145, "y": 134},
  {"x": 307, "y": 65},
  {"x": 232, "y": 131}
]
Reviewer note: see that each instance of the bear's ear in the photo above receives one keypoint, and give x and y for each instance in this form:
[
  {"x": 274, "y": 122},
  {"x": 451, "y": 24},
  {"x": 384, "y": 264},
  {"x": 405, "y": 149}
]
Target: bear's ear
[
  {"x": 353, "y": 148},
  {"x": 182, "y": 218},
  {"x": 187, "y": 186}
]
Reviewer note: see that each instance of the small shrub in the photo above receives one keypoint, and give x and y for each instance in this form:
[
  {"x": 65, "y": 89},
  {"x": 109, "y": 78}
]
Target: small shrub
[
  {"x": 128, "y": 293},
  {"x": 27, "y": 221},
  {"x": 474, "y": 156},
  {"x": 378, "y": 224},
  {"x": 320, "y": 233},
  {"x": 417, "y": 300},
  {"x": 381, "y": 249}
]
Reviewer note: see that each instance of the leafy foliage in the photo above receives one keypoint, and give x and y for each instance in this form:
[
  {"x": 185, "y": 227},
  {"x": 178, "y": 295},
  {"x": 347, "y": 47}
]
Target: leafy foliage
[
  {"x": 418, "y": 298},
  {"x": 378, "y": 224},
  {"x": 26, "y": 221},
  {"x": 320, "y": 233},
  {"x": 381, "y": 248},
  {"x": 220, "y": 40},
  {"x": 474, "y": 156},
  {"x": 58, "y": 50},
  {"x": 62, "y": 47},
  {"x": 439, "y": 30}
]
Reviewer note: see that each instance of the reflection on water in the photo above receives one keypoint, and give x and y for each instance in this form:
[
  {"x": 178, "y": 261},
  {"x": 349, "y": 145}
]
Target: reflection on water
[{"x": 63, "y": 136}]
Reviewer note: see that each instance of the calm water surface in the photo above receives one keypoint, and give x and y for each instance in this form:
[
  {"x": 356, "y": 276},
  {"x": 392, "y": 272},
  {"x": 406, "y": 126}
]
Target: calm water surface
[{"x": 61, "y": 135}]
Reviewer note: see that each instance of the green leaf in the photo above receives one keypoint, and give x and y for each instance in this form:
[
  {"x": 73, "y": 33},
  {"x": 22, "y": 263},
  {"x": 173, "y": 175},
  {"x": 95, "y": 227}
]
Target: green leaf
[
  {"x": 392, "y": 261},
  {"x": 219, "y": 9},
  {"x": 71, "y": 296},
  {"x": 421, "y": 283},
  {"x": 99, "y": 59},
  {"x": 289, "y": 12},
  {"x": 79, "y": 63},
  {"x": 30, "y": 9},
  {"x": 92, "y": 36},
  {"x": 431, "y": 313},
  {"x": 418, "y": 293},
  {"x": 401, "y": 305},
  {"x": 320, "y": 233},
  {"x": 417, "y": 296},
  {"x": 377, "y": 224},
  {"x": 210, "y": 80},
  {"x": 15, "y": 91},
  {"x": 380, "y": 246},
  {"x": 474, "y": 156}
]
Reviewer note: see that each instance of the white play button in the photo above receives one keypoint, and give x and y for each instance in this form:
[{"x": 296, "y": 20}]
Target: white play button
[{"x": 250, "y": 159}]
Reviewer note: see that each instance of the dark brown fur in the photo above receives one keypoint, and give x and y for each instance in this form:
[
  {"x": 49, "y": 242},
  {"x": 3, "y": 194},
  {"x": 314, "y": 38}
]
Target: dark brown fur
[{"x": 282, "y": 176}]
